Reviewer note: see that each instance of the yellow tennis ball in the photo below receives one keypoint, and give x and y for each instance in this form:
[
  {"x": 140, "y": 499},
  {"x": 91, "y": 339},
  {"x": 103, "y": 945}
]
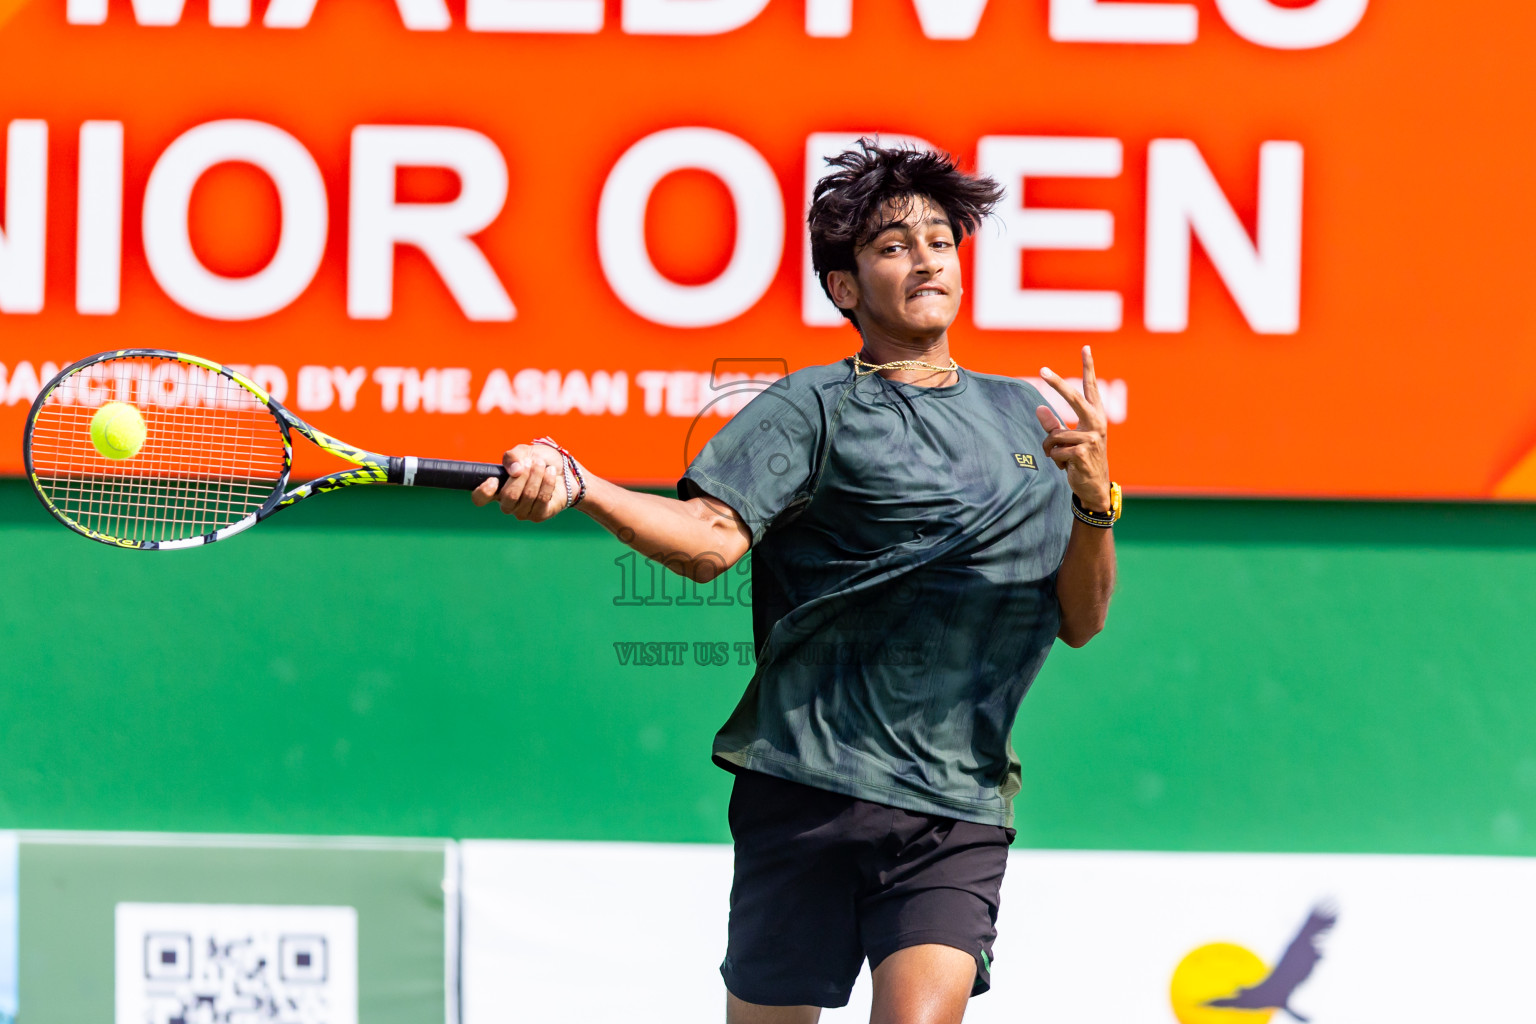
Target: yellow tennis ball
[{"x": 117, "y": 430}]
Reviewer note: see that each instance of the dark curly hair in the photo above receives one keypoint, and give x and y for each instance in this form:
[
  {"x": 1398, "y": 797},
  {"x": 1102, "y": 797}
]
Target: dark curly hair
[{"x": 847, "y": 206}]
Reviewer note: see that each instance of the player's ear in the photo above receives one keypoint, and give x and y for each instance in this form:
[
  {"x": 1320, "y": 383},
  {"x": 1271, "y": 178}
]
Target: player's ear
[{"x": 844, "y": 288}]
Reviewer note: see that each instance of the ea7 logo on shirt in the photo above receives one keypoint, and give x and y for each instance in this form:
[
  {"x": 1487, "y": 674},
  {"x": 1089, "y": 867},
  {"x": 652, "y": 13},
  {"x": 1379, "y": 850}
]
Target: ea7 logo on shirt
[{"x": 1025, "y": 460}]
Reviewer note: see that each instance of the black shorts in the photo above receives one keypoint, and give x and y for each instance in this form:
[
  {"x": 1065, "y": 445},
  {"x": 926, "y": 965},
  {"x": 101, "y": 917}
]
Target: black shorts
[{"x": 824, "y": 880}]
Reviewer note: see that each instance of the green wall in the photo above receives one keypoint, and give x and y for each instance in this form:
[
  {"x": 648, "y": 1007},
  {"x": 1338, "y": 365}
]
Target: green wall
[{"x": 1275, "y": 676}]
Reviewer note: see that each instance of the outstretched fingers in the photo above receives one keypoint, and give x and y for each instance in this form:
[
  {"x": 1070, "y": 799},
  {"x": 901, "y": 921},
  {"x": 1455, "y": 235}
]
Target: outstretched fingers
[
  {"x": 1090, "y": 378},
  {"x": 1087, "y": 403},
  {"x": 1078, "y": 403}
]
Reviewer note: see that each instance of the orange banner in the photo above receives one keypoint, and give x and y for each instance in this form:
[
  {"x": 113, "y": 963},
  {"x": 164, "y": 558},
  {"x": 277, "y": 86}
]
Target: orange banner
[{"x": 442, "y": 227}]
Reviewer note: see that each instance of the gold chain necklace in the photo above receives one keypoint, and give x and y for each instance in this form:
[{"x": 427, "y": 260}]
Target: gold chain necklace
[{"x": 860, "y": 367}]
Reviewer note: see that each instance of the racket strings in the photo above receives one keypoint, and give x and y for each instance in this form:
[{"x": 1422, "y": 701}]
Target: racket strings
[{"x": 212, "y": 454}]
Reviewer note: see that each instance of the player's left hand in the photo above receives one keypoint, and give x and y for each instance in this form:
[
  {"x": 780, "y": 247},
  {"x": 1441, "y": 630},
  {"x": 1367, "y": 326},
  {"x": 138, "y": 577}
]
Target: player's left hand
[{"x": 1084, "y": 452}]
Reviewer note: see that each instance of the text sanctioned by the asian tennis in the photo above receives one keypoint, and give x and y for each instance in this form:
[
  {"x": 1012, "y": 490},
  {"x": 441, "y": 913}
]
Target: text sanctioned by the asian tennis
[{"x": 457, "y": 390}]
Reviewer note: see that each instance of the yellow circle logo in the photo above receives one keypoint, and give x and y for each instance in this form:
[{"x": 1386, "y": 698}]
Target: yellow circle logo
[{"x": 1215, "y": 971}]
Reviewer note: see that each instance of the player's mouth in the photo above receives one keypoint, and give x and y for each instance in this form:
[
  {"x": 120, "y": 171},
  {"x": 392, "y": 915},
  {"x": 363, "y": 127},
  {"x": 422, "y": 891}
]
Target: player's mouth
[{"x": 928, "y": 291}]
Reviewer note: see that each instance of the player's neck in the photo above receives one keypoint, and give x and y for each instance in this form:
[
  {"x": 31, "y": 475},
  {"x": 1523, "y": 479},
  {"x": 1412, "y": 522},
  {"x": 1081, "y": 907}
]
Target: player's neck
[{"x": 879, "y": 347}]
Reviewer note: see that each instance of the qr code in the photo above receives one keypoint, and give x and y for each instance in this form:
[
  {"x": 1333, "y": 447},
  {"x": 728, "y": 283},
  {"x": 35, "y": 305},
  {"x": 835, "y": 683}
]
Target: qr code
[{"x": 210, "y": 963}]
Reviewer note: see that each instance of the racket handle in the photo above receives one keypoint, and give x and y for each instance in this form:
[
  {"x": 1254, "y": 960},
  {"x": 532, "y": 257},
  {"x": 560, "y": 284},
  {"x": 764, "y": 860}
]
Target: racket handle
[{"x": 444, "y": 473}]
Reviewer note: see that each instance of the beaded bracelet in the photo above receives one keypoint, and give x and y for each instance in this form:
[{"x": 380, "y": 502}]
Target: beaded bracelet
[{"x": 575, "y": 483}]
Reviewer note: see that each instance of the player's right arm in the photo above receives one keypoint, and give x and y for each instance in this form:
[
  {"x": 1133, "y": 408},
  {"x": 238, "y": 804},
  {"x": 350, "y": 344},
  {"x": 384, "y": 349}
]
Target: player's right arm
[{"x": 699, "y": 538}]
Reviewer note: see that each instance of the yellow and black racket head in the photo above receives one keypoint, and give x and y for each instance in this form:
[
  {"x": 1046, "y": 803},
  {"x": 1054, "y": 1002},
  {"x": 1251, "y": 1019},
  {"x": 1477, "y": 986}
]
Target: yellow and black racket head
[{"x": 214, "y": 459}]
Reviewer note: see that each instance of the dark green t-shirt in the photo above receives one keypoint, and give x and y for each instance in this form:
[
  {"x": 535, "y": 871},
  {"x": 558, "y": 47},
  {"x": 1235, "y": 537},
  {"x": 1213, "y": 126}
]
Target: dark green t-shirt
[{"x": 905, "y": 544}]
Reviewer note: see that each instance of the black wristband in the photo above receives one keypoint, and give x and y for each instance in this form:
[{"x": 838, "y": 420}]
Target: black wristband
[{"x": 1103, "y": 520}]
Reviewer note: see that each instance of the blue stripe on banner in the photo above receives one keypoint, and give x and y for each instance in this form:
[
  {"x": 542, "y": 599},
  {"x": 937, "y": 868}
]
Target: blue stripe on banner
[{"x": 9, "y": 928}]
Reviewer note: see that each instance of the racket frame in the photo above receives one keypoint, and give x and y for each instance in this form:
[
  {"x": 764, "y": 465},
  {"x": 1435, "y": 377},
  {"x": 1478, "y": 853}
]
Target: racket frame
[{"x": 370, "y": 467}]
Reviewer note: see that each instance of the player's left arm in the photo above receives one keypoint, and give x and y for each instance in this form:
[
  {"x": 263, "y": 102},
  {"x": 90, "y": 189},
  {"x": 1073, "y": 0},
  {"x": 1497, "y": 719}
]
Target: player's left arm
[{"x": 1087, "y": 576}]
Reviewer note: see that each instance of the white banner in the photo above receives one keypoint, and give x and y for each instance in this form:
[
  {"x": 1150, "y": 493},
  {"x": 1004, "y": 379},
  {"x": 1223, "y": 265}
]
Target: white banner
[
  {"x": 577, "y": 932},
  {"x": 587, "y": 932}
]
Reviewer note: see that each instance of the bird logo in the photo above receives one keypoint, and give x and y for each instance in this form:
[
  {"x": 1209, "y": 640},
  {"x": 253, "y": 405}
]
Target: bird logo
[{"x": 1224, "y": 983}]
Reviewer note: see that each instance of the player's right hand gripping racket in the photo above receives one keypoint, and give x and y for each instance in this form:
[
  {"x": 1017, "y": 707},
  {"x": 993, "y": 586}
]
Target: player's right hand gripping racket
[{"x": 212, "y": 458}]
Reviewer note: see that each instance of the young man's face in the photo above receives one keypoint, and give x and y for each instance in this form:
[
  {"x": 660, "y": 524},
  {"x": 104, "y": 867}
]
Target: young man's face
[{"x": 908, "y": 283}]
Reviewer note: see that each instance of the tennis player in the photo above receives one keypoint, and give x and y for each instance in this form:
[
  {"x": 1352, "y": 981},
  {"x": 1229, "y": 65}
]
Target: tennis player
[{"x": 921, "y": 535}]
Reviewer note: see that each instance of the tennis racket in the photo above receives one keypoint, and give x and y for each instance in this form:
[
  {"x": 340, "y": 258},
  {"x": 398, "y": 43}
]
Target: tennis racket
[{"x": 215, "y": 456}]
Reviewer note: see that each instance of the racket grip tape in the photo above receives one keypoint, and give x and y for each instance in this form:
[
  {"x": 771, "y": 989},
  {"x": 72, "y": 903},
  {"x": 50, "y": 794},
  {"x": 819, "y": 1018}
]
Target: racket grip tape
[{"x": 444, "y": 473}]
